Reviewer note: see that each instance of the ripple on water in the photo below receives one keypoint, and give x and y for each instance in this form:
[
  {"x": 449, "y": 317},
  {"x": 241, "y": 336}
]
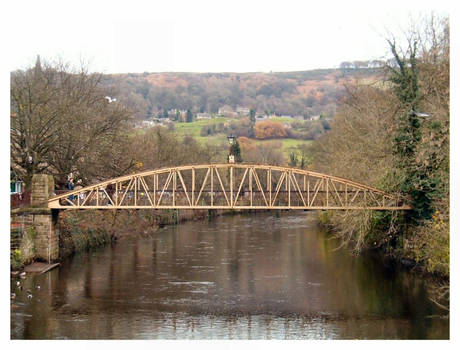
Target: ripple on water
[{"x": 235, "y": 277}]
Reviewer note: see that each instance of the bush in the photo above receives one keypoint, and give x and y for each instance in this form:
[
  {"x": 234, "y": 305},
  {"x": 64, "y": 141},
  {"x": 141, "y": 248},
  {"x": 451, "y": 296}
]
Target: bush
[
  {"x": 270, "y": 130},
  {"x": 16, "y": 259}
]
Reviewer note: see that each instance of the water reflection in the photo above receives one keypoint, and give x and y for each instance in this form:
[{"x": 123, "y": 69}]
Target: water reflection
[{"x": 237, "y": 277}]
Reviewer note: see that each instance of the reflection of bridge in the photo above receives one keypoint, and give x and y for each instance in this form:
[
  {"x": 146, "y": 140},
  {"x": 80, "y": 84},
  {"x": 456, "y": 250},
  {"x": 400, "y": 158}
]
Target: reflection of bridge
[{"x": 228, "y": 186}]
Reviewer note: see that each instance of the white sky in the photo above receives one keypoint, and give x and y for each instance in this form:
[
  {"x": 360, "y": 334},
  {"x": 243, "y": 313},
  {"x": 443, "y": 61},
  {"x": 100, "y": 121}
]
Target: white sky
[{"x": 205, "y": 36}]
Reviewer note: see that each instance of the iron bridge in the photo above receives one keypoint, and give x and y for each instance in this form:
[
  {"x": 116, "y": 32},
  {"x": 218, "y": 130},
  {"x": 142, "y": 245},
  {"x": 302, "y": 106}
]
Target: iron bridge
[{"x": 229, "y": 186}]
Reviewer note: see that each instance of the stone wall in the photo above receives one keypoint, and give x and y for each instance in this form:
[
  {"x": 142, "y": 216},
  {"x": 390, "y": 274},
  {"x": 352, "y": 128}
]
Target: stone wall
[
  {"x": 22, "y": 245},
  {"x": 46, "y": 236},
  {"x": 41, "y": 220}
]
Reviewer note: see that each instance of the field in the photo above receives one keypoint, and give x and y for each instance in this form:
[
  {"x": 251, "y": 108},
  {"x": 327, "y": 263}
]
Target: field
[{"x": 194, "y": 128}]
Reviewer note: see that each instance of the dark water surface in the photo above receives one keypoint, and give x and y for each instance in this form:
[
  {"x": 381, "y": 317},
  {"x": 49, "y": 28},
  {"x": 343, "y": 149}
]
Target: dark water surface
[{"x": 236, "y": 277}]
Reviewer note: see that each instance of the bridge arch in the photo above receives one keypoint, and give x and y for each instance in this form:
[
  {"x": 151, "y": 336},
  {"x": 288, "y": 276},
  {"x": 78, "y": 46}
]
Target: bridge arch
[{"x": 228, "y": 186}]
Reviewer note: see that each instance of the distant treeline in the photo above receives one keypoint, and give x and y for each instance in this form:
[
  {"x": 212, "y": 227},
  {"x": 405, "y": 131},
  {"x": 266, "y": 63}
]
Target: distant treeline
[{"x": 303, "y": 93}]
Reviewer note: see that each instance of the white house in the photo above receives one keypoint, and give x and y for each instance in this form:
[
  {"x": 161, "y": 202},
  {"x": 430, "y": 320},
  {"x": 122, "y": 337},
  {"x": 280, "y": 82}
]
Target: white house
[
  {"x": 203, "y": 116},
  {"x": 227, "y": 111}
]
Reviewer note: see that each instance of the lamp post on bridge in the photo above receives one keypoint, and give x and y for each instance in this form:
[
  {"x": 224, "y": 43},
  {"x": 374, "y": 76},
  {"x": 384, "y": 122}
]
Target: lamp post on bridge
[{"x": 231, "y": 141}]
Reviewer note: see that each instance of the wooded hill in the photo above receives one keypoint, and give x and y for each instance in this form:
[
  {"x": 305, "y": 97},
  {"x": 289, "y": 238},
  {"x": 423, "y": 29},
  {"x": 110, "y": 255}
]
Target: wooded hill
[{"x": 305, "y": 93}]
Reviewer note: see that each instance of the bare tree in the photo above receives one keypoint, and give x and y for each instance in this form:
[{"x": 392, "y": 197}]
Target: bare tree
[
  {"x": 62, "y": 122},
  {"x": 34, "y": 120}
]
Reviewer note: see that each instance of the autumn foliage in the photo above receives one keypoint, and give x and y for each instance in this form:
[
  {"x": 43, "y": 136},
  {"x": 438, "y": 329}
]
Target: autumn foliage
[
  {"x": 269, "y": 130},
  {"x": 246, "y": 143}
]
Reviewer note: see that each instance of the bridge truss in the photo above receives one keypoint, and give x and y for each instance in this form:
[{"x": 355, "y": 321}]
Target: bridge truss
[{"x": 228, "y": 186}]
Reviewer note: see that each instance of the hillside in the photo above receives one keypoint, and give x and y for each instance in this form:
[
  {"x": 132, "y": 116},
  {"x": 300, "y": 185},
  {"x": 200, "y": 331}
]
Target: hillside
[{"x": 305, "y": 93}]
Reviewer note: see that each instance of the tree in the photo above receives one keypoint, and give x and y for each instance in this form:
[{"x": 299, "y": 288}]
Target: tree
[
  {"x": 266, "y": 153},
  {"x": 293, "y": 159},
  {"x": 376, "y": 140},
  {"x": 62, "y": 122},
  {"x": 246, "y": 143},
  {"x": 34, "y": 120},
  {"x": 269, "y": 129},
  {"x": 417, "y": 181},
  {"x": 301, "y": 157},
  {"x": 235, "y": 151},
  {"x": 252, "y": 121},
  {"x": 189, "y": 116}
]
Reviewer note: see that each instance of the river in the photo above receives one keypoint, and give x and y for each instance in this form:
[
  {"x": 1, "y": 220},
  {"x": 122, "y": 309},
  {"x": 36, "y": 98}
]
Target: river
[{"x": 261, "y": 276}]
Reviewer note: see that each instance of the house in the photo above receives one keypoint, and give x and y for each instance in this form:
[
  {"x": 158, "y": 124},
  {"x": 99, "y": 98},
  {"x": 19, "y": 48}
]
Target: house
[
  {"x": 227, "y": 111},
  {"x": 203, "y": 116},
  {"x": 376, "y": 64},
  {"x": 298, "y": 117},
  {"x": 147, "y": 123},
  {"x": 315, "y": 117},
  {"x": 172, "y": 113},
  {"x": 179, "y": 115}
]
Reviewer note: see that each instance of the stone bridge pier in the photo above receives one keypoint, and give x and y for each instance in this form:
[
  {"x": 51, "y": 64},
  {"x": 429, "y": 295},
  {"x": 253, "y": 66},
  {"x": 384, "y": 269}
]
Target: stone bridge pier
[
  {"x": 42, "y": 218},
  {"x": 47, "y": 238}
]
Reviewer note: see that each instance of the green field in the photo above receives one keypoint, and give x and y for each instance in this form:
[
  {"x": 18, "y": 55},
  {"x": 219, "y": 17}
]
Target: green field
[{"x": 194, "y": 129}]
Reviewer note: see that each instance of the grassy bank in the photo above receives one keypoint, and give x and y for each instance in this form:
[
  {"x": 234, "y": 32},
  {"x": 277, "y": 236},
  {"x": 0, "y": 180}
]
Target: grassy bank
[{"x": 82, "y": 230}]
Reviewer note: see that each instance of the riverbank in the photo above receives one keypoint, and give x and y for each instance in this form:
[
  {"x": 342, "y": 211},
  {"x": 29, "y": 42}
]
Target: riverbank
[
  {"x": 402, "y": 249},
  {"x": 397, "y": 245},
  {"x": 81, "y": 230}
]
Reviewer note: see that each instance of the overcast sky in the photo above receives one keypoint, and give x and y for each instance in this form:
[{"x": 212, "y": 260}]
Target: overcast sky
[{"x": 206, "y": 36}]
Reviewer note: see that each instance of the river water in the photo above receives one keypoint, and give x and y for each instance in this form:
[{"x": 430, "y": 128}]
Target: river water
[{"x": 261, "y": 276}]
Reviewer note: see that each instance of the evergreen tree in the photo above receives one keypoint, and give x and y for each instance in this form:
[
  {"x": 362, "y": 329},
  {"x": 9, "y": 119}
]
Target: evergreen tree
[
  {"x": 189, "y": 117},
  {"x": 252, "y": 122},
  {"x": 415, "y": 181},
  {"x": 38, "y": 66},
  {"x": 235, "y": 151},
  {"x": 293, "y": 159}
]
